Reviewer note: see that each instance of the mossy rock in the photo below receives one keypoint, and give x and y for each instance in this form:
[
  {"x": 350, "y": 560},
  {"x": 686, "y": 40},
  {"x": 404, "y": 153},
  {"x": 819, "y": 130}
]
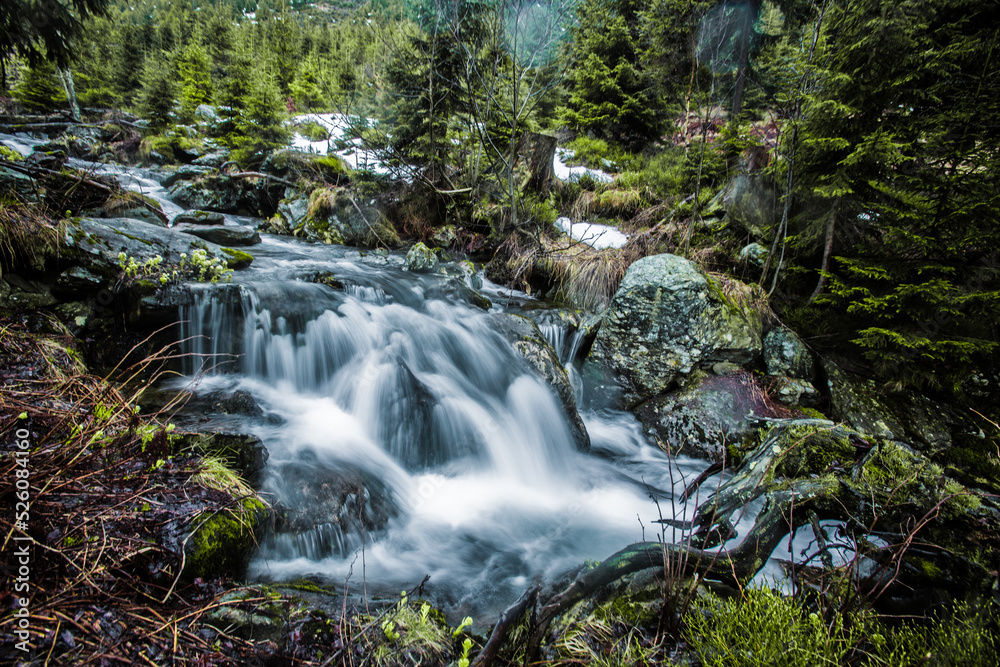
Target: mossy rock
[
  {"x": 294, "y": 164},
  {"x": 812, "y": 451},
  {"x": 243, "y": 453},
  {"x": 236, "y": 259},
  {"x": 223, "y": 540}
]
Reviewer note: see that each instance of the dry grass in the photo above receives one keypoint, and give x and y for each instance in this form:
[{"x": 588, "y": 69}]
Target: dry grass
[{"x": 29, "y": 235}]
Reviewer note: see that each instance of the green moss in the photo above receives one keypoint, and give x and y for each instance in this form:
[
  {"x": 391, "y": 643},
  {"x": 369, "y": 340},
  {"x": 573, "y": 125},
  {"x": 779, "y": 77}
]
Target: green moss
[
  {"x": 221, "y": 542},
  {"x": 813, "y": 451},
  {"x": 811, "y": 413},
  {"x": 237, "y": 259}
]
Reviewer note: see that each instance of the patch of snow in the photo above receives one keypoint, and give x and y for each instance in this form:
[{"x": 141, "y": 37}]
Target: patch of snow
[
  {"x": 596, "y": 236},
  {"x": 337, "y": 124},
  {"x": 566, "y": 173}
]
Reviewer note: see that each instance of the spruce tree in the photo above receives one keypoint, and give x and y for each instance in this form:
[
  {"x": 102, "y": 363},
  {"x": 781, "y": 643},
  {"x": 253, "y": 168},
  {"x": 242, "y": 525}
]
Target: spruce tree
[
  {"x": 159, "y": 91},
  {"x": 195, "y": 79},
  {"x": 915, "y": 275},
  {"x": 612, "y": 93}
]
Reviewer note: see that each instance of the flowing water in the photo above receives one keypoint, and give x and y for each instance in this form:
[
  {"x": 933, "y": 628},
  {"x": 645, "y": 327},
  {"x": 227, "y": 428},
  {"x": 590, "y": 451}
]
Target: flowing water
[{"x": 407, "y": 438}]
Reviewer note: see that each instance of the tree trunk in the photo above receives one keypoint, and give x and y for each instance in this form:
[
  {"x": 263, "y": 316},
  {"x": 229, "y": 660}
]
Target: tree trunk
[
  {"x": 67, "y": 81},
  {"x": 750, "y": 11},
  {"x": 542, "y": 154},
  {"x": 827, "y": 251}
]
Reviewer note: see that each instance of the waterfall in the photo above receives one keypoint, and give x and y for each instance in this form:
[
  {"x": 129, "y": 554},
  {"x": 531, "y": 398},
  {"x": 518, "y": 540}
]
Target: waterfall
[{"x": 403, "y": 430}]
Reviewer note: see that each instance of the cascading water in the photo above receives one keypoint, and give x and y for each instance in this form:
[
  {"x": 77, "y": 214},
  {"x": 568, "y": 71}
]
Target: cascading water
[{"x": 404, "y": 431}]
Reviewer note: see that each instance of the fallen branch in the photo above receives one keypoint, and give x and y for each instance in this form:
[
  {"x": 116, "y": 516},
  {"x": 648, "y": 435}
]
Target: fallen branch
[{"x": 508, "y": 618}]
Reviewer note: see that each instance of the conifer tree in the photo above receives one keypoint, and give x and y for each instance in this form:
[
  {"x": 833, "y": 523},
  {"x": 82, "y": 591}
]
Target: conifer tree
[
  {"x": 39, "y": 88},
  {"x": 159, "y": 91},
  {"x": 612, "y": 94},
  {"x": 195, "y": 79},
  {"x": 914, "y": 271}
]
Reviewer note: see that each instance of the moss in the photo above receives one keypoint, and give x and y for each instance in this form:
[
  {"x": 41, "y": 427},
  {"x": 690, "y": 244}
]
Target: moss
[
  {"x": 221, "y": 542},
  {"x": 812, "y": 451},
  {"x": 237, "y": 259}
]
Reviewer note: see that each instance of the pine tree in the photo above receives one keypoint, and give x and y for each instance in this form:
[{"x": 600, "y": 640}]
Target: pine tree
[
  {"x": 196, "y": 79},
  {"x": 159, "y": 91},
  {"x": 612, "y": 94},
  {"x": 39, "y": 88},
  {"x": 915, "y": 275}
]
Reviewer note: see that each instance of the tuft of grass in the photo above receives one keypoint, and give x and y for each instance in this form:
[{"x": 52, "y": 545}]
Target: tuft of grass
[
  {"x": 214, "y": 473},
  {"x": 28, "y": 235}
]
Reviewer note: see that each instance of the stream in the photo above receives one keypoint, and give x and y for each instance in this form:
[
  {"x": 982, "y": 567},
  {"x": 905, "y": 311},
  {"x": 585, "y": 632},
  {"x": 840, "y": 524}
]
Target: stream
[{"x": 407, "y": 438}]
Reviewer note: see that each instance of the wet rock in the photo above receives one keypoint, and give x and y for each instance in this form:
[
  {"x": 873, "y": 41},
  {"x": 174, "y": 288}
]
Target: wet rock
[
  {"x": 420, "y": 258},
  {"x": 667, "y": 320},
  {"x": 445, "y": 236},
  {"x": 331, "y": 215},
  {"x": 78, "y": 282},
  {"x": 795, "y": 391},
  {"x": 75, "y": 315},
  {"x": 324, "y": 510},
  {"x": 702, "y": 419},
  {"x": 236, "y": 260},
  {"x": 754, "y": 254},
  {"x": 227, "y": 194},
  {"x": 186, "y": 172},
  {"x": 226, "y": 235},
  {"x": 457, "y": 290},
  {"x": 241, "y": 403},
  {"x": 530, "y": 343},
  {"x": 242, "y": 614},
  {"x": 150, "y": 305},
  {"x": 749, "y": 201},
  {"x": 96, "y": 243},
  {"x": 904, "y": 416},
  {"x": 786, "y": 354},
  {"x": 24, "y": 294},
  {"x": 207, "y": 113},
  {"x": 222, "y": 542},
  {"x": 295, "y": 163},
  {"x": 199, "y": 218},
  {"x": 15, "y": 182},
  {"x": 216, "y": 159}
]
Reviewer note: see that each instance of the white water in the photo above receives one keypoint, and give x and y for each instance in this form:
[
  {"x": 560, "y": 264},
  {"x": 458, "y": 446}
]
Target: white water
[{"x": 449, "y": 432}]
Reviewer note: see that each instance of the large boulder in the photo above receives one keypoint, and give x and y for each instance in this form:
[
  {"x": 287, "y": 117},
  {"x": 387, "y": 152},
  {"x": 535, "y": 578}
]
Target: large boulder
[
  {"x": 668, "y": 319},
  {"x": 749, "y": 201},
  {"x": 703, "y": 418},
  {"x": 786, "y": 354},
  {"x": 95, "y": 244},
  {"x": 420, "y": 258},
  {"x": 904, "y": 416},
  {"x": 531, "y": 344},
  {"x": 226, "y": 194},
  {"x": 331, "y": 215},
  {"x": 187, "y": 172},
  {"x": 199, "y": 218}
]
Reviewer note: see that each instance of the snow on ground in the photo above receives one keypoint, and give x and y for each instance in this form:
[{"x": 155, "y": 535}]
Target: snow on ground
[
  {"x": 337, "y": 124},
  {"x": 596, "y": 236},
  {"x": 566, "y": 173}
]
